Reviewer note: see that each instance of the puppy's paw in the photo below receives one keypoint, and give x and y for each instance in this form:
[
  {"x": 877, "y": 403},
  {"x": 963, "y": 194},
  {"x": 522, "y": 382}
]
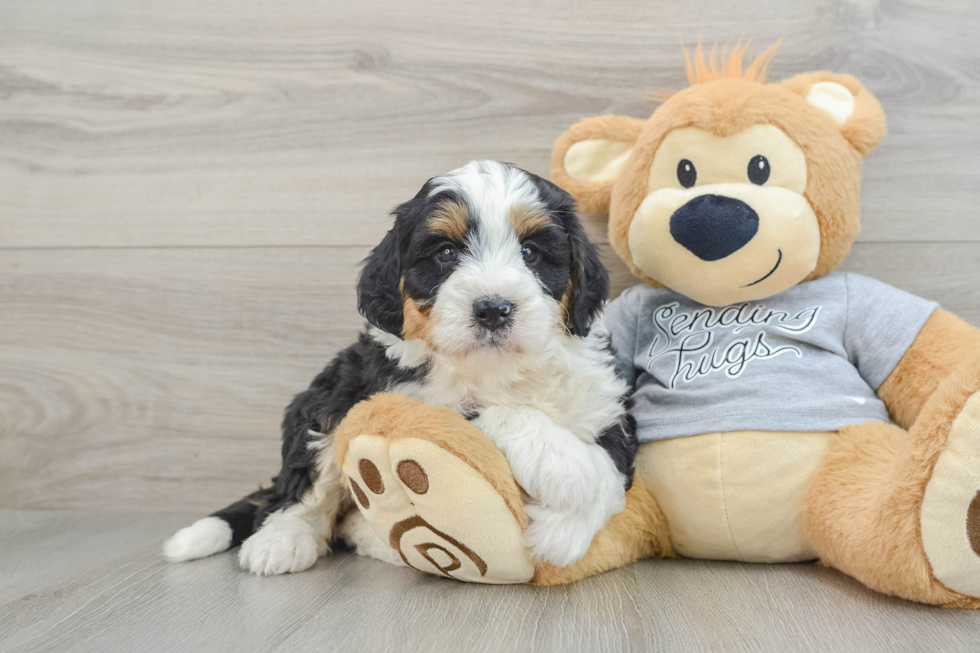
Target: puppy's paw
[
  {"x": 564, "y": 480},
  {"x": 560, "y": 537},
  {"x": 553, "y": 466},
  {"x": 204, "y": 537},
  {"x": 284, "y": 544}
]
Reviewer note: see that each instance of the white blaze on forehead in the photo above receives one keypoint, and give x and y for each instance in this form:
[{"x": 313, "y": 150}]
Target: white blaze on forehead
[
  {"x": 488, "y": 183},
  {"x": 490, "y": 189}
]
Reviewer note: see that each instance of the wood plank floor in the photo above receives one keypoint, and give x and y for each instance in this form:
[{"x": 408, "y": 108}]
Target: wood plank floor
[
  {"x": 186, "y": 189},
  {"x": 88, "y": 582}
]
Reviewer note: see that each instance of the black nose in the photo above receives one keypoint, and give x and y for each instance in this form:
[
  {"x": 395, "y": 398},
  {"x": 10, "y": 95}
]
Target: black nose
[
  {"x": 492, "y": 312},
  {"x": 714, "y": 226}
]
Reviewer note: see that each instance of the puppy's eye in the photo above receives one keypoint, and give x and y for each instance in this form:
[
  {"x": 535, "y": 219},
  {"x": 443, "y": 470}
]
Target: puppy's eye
[
  {"x": 759, "y": 170},
  {"x": 447, "y": 254},
  {"x": 686, "y": 173},
  {"x": 530, "y": 254}
]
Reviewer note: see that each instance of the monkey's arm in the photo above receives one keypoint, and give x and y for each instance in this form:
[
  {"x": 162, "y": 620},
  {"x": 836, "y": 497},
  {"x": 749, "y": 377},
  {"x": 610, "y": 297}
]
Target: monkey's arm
[{"x": 945, "y": 343}]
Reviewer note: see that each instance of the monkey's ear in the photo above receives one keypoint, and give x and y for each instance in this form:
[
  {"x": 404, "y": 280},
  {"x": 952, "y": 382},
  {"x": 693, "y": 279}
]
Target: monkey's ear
[
  {"x": 852, "y": 107},
  {"x": 587, "y": 158}
]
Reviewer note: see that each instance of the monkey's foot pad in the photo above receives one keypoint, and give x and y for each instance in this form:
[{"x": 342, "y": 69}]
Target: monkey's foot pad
[
  {"x": 950, "y": 517},
  {"x": 439, "y": 513}
]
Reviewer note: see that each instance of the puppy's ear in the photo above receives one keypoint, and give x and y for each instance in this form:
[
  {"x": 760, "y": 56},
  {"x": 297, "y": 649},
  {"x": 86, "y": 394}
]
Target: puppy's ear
[
  {"x": 588, "y": 284},
  {"x": 587, "y": 158},
  {"x": 379, "y": 298},
  {"x": 857, "y": 112},
  {"x": 589, "y": 287}
]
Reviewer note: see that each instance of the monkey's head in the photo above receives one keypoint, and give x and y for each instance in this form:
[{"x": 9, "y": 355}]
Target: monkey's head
[{"x": 734, "y": 189}]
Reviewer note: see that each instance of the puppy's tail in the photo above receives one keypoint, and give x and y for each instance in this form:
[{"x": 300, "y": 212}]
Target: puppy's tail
[{"x": 220, "y": 531}]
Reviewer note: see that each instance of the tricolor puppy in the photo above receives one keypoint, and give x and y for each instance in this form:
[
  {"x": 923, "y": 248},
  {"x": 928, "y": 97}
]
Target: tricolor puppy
[{"x": 486, "y": 297}]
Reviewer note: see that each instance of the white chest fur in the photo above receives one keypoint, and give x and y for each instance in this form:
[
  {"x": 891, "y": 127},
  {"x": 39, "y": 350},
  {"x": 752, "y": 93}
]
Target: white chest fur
[{"x": 572, "y": 380}]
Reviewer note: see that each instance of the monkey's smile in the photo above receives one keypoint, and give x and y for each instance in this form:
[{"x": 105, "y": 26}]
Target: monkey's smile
[{"x": 768, "y": 274}]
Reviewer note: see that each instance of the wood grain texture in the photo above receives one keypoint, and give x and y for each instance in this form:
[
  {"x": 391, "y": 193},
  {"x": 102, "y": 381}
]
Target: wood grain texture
[
  {"x": 239, "y": 122},
  {"x": 125, "y": 374},
  {"x": 90, "y": 582},
  {"x": 155, "y": 379}
]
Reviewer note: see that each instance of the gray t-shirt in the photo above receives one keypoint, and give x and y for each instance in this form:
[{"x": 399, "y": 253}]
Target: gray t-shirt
[{"x": 807, "y": 359}]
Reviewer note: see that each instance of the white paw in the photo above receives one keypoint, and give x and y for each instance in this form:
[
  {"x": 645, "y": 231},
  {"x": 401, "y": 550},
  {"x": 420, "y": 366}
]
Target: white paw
[
  {"x": 560, "y": 537},
  {"x": 284, "y": 544},
  {"x": 204, "y": 537},
  {"x": 564, "y": 479},
  {"x": 552, "y": 465}
]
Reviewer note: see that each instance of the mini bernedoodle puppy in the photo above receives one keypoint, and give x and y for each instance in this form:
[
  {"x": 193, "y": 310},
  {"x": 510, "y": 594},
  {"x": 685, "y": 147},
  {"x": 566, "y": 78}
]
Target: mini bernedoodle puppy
[{"x": 485, "y": 296}]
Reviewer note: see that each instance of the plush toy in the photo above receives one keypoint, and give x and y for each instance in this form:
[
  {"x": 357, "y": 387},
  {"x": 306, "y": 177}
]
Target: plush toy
[
  {"x": 438, "y": 490},
  {"x": 764, "y": 381},
  {"x": 786, "y": 411}
]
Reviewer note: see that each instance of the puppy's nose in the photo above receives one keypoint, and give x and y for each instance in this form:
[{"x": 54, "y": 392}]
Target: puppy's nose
[
  {"x": 492, "y": 312},
  {"x": 714, "y": 226}
]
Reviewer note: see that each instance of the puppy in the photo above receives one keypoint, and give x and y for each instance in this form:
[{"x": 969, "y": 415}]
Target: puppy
[{"x": 485, "y": 296}]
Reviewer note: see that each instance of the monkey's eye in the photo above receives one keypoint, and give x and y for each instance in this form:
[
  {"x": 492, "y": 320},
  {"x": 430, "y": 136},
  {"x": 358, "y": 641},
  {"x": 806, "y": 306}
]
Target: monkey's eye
[
  {"x": 759, "y": 170},
  {"x": 686, "y": 173},
  {"x": 530, "y": 254},
  {"x": 447, "y": 253}
]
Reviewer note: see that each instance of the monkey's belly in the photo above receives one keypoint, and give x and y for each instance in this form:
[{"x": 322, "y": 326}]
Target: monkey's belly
[{"x": 736, "y": 495}]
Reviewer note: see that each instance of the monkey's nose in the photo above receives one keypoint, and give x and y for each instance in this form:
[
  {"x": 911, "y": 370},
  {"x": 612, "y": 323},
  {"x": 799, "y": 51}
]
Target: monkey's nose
[{"x": 713, "y": 226}]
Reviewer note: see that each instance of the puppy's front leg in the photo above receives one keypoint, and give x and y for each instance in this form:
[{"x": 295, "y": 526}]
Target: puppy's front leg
[
  {"x": 574, "y": 486},
  {"x": 294, "y": 537}
]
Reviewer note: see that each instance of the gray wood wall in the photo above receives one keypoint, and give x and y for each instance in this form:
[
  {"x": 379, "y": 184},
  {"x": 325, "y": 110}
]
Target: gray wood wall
[{"x": 186, "y": 189}]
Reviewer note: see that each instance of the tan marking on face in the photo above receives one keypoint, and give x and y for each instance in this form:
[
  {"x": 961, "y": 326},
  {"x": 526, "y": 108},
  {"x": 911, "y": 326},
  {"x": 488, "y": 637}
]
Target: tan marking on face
[
  {"x": 527, "y": 219},
  {"x": 449, "y": 220},
  {"x": 565, "y": 308},
  {"x": 568, "y": 297},
  {"x": 417, "y": 322},
  {"x": 416, "y": 317}
]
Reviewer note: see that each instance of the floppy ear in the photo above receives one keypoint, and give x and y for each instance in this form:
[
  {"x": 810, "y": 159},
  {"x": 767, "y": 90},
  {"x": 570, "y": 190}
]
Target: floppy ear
[
  {"x": 587, "y": 158},
  {"x": 590, "y": 284},
  {"x": 379, "y": 298},
  {"x": 857, "y": 112}
]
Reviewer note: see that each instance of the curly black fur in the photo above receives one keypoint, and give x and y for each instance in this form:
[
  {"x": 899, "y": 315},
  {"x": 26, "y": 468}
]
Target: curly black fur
[
  {"x": 619, "y": 441},
  {"x": 353, "y": 375},
  {"x": 589, "y": 278}
]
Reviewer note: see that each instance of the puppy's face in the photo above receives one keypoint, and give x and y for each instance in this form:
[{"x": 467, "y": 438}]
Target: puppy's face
[{"x": 485, "y": 258}]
